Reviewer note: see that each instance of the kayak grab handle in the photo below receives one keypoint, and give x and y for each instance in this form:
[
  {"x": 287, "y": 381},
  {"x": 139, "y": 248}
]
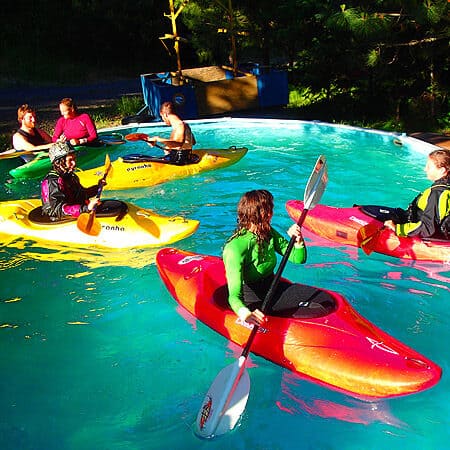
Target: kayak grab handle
[{"x": 414, "y": 363}]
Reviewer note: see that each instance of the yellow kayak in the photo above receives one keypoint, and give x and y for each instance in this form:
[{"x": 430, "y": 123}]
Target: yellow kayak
[
  {"x": 126, "y": 226},
  {"x": 142, "y": 171}
]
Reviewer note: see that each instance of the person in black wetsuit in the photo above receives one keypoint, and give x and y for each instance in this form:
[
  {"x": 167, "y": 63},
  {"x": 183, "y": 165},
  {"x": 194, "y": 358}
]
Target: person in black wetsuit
[
  {"x": 61, "y": 191},
  {"x": 428, "y": 216},
  {"x": 29, "y": 136},
  {"x": 178, "y": 147}
]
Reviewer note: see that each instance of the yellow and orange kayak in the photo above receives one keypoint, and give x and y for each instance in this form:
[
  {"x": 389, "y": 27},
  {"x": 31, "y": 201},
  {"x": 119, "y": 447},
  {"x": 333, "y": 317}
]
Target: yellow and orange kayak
[
  {"x": 143, "y": 171},
  {"x": 128, "y": 226}
]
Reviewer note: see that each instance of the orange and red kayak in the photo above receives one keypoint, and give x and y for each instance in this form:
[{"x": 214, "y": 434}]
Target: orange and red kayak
[
  {"x": 340, "y": 349},
  {"x": 345, "y": 226}
]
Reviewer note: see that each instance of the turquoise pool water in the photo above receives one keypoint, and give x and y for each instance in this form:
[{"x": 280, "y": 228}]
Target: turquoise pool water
[{"x": 97, "y": 355}]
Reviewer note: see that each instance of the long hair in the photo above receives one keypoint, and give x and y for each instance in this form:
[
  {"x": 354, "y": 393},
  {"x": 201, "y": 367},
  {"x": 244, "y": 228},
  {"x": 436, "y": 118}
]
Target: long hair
[
  {"x": 254, "y": 210},
  {"x": 441, "y": 158}
]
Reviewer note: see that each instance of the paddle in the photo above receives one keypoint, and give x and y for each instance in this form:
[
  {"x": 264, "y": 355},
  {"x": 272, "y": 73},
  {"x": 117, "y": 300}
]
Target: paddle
[
  {"x": 86, "y": 222},
  {"x": 133, "y": 137},
  {"x": 16, "y": 154},
  {"x": 227, "y": 396},
  {"x": 368, "y": 236}
]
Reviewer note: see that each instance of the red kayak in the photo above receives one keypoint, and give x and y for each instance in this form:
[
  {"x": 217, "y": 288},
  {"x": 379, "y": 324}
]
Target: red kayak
[
  {"x": 351, "y": 226},
  {"x": 340, "y": 349}
]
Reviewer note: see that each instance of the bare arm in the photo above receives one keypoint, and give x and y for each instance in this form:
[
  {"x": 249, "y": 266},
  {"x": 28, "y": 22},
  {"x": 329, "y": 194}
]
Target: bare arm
[{"x": 20, "y": 143}]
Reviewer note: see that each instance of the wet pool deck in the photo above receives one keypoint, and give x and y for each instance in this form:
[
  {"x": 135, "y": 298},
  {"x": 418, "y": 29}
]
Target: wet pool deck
[{"x": 441, "y": 140}]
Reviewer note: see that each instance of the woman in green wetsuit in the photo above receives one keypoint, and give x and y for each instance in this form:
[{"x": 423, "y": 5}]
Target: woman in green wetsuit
[{"x": 250, "y": 259}]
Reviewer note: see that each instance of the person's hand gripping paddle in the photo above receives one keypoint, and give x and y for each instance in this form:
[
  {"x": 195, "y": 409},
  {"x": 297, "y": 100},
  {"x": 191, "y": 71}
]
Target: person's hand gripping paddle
[
  {"x": 86, "y": 222},
  {"x": 227, "y": 396},
  {"x": 134, "y": 137}
]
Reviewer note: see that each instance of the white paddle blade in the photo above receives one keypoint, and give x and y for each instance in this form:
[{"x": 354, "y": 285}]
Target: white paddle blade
[
  {"x": 224, "y": 402},
  {"x": 316, "y": 184}
]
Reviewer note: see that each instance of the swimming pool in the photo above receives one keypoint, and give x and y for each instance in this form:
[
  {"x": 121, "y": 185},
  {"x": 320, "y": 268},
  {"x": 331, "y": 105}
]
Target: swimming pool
[{"x": 96, "y": 354}]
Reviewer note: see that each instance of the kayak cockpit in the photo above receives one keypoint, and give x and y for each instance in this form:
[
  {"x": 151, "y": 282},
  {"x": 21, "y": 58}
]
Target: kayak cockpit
[
  {"x": 309, "y": 302},
  {"x": 107, "y": 208}
]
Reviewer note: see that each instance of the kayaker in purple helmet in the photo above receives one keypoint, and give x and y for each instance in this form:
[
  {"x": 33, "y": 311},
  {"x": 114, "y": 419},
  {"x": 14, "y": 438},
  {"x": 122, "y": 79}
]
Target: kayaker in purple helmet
[{"x": 61, "y": 191}]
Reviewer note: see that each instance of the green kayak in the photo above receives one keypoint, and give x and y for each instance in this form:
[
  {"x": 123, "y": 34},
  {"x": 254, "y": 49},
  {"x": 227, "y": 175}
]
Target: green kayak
[{"x": 40, "y": 165}]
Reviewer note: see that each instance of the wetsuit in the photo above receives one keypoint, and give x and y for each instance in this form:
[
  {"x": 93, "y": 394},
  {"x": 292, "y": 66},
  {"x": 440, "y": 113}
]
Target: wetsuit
[
  {"x": 34, "y": 139},
  {"x": 249, "y": 270},
  {"x": 429, "y": 213},
  {"x": 63, "y": 195}
]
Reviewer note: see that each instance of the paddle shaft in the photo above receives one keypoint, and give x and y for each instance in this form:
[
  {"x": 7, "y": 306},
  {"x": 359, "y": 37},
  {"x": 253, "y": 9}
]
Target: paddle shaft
[
  {"x": 142, "y": 137},
  {"x": 90, "y": 222},
  {"x": 20, "y": 153},
  {"x": 270, "y": 293},
  {"x": 231, "y": 378}
]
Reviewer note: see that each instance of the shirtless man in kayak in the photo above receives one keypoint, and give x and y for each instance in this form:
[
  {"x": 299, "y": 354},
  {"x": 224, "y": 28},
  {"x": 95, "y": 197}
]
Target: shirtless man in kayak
[{"x": 178, "y": 147}]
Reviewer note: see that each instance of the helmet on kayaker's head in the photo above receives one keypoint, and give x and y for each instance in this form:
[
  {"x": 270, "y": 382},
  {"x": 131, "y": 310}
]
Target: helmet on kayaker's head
[{"x": 59, "y": 150}]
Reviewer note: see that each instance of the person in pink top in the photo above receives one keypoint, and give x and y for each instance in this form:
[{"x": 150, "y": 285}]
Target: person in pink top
[{"x": 78, "y": 129}]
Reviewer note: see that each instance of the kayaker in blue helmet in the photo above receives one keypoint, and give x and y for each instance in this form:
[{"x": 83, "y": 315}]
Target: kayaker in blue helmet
[
  {"x": 429, "y": 213},
  {"x": 61, "y": 191},
  {"x": 250, "y": 258}
]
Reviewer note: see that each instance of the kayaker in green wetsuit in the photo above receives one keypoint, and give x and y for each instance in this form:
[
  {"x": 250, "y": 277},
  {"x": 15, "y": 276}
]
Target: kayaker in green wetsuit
[
  {"x": 250, "y": 259},
  {"x": 429, "y": 213}
]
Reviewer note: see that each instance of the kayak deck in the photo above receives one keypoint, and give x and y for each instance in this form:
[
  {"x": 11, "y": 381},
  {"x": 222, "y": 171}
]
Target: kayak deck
[
  {"x": 40, "y": 165},
  {"x": 343, "y": 225},
  {"x": 133, "y": 174},
  {"x": 137, "y": 228}
]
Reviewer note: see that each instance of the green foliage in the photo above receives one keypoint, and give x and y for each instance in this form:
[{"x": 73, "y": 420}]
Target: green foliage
[
  {"x": 5, "y": 141},
  {"x": 129, "y": 105},
  {"x": 371, "y": 60},
  {"x": 304, "y": 96}
]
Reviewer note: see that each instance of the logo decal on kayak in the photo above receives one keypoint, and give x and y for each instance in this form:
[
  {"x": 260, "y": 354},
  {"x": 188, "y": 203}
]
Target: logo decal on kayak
[
  {"x": 188, "y": 259},
  {"x": 381, "y": 346},
  {"x": 142, "y": 166},
  {"x": 250, "y": 326},
  {"x": 206, "y": 411},
  {"x": 361, "y": 222}
]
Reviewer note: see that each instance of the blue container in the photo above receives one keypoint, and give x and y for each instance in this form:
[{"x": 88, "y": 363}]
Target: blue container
[
  {"x": 158, "y": 88},
  {"x": 272, "y": 90}
]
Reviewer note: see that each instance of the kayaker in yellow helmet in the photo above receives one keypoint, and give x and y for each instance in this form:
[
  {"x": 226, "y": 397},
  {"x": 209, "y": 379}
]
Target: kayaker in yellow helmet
[{"x": 61, "y": 191}]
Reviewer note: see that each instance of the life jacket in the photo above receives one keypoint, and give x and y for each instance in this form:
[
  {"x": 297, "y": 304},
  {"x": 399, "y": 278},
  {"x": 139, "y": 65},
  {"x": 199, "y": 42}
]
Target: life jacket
[
  {"x": 34, "y": 139},
  {"x": 414, "y": 213}
]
